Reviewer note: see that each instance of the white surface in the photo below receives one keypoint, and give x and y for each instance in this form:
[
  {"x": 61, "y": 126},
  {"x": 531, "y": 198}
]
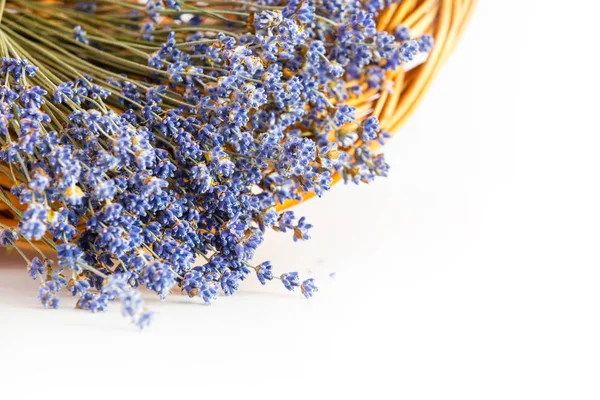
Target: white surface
[{"x": 471, "y": 273}]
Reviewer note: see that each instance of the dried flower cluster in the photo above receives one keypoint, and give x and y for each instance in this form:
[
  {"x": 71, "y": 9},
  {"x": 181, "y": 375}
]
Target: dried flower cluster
[{"x": 149, "y": 145}]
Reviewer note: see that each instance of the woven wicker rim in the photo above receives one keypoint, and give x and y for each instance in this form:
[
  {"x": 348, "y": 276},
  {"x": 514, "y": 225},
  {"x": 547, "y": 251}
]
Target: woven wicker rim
[{"x": 444, "y": 19}]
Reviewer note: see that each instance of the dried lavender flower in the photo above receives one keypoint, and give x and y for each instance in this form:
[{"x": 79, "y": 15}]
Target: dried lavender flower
[{"x": 156, "y": 156}]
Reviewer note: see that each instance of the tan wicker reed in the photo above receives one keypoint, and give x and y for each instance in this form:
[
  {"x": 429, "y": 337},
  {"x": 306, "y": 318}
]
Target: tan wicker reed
[{"x": 444, "y": 19}]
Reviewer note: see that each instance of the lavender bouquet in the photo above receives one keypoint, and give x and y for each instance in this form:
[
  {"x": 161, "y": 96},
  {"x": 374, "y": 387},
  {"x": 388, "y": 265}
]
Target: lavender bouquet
[{"x": 151, "y": 145}]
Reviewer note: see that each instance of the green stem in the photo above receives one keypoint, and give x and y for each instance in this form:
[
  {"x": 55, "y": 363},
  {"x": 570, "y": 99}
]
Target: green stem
[{"x": 2, "y": 5}]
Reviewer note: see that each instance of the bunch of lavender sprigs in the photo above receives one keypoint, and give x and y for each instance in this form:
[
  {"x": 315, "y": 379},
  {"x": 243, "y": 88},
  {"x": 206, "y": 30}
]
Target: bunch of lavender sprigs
[{"x": 149, "y": 145}]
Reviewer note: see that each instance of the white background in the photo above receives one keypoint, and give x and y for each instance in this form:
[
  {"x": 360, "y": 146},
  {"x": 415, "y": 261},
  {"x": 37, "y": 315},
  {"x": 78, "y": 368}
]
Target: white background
[{"x": 472, "y": 272}]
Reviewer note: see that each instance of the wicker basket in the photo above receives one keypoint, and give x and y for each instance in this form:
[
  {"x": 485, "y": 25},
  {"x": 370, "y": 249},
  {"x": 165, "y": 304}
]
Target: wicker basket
[{"x": 444, "y": 19}]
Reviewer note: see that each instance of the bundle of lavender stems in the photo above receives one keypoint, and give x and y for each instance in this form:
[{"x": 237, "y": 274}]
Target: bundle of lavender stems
[{"x": 152, "y": 144}]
